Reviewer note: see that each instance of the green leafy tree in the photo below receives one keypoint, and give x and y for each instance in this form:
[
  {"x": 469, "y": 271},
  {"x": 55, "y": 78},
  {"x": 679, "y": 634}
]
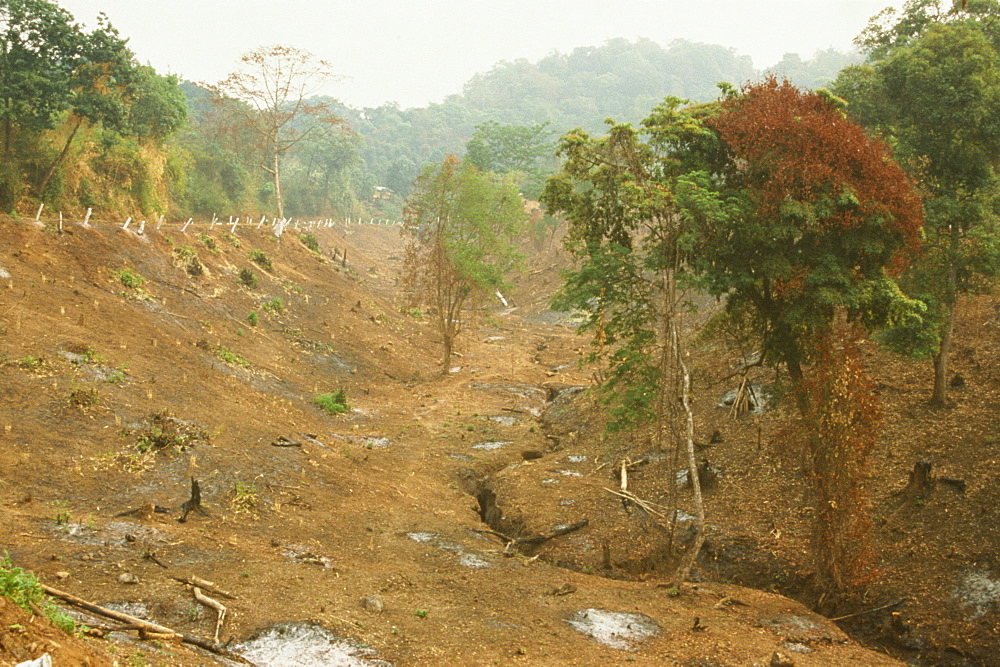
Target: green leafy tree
[
  {"x": 39, "y": 47},
  {"x": 462, "y": 225},
  {"x": 618, "y": 194},
  {"x": 511, "y": 149},
  {"x": 932, "y": 87}
]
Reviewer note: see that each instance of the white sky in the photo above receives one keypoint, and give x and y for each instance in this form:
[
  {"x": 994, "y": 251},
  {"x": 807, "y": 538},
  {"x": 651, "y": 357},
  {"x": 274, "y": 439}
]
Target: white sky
[{"x": 416, "y": 52}]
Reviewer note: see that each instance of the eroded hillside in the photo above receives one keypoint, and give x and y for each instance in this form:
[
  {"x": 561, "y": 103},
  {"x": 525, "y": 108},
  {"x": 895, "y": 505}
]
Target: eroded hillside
[{"x": 134, "y": 363}]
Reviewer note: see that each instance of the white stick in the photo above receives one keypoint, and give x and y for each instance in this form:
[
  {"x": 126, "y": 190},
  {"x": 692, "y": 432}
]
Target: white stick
[
  {"x": 142, "y": 227},
  {"x": 233, "y": 229},
  {"x": 184, "y": 228},
  {"x": 125, "y": 226},
  {"x": 86, "y": 218},
  {"x": 60, "y": 222},
  {"x": 160, "y": 221},
  {"x": 38, "y": 216}
]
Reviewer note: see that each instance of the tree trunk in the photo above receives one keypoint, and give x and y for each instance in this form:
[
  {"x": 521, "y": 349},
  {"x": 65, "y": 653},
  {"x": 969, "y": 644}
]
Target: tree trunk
[
  {"x": 684, "y": 569},
  {"x": 940, "y": 394},
  {"x": 59, "y": 160},
  {"x": 276, "y": 174},
  {"x": 446, "y": 355}
]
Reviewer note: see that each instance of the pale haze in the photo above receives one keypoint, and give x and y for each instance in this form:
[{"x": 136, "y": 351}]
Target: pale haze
[{"x": 415, "y": 53}]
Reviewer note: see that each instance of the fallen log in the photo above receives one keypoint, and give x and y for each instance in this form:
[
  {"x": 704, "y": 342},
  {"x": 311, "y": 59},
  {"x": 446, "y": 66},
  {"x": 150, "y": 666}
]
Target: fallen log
[
  {"x": 512, "y": 543},
  {"x": 147, "y": 630}
]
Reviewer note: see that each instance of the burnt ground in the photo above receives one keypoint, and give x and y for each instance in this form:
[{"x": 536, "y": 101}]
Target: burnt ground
[{"x": 113, "y": 397}]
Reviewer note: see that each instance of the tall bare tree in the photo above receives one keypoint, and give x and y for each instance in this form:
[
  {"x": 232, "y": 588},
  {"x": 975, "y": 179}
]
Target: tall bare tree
[{"x": 274, "y": 89}]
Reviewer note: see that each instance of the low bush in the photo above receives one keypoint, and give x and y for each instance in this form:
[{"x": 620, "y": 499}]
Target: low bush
[
  {"x": 260, "y": 258},
  {"x": 334, "y": 403},
  {"x": 248, "y": 278}
]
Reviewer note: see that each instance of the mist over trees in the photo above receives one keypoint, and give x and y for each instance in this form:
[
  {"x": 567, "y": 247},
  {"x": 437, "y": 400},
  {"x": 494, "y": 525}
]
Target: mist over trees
[{"x": 107, "y": 133}]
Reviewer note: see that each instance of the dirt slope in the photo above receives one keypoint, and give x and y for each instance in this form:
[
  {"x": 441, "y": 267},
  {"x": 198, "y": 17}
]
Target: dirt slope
[{"x": 113, "y": 397}]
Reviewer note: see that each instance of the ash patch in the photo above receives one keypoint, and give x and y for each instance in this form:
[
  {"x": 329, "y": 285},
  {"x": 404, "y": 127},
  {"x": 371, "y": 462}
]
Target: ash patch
[
  {"x": 493, "y": 445},
  {"x": 305, "y": 645},
  {"x": 980, "y": 592},
  {"x": 619, "y": 630}
]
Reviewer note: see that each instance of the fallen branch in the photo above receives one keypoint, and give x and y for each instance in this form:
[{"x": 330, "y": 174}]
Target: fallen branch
[
  {"x": 147, "y": 630},
  {"x": 143, "y": 626},
  {"x": 512, "y": 543},
  {"x": 872, "y": 611},
  {"x": 644, "y": 504},
  {"x": 198, "y": 582},
  {"x": 214, "y": 604}
]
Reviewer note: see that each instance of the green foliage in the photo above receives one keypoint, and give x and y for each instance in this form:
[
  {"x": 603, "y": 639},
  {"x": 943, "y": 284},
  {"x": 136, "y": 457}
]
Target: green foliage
[
  {"x": 30, "y": 362},
  {"x": 231, "y": 358},
  {"x": 22, "y": 588},
  {"x": 631, "y": 235},
  {"x": 932, "y": 88},
  {"x": 208, "y": 242},
  {"x": 130, "y": 278},
  {"x": 810, "y": 222},
  {"x": 253, "y": 318},
  {"x": 232, "y": 239},
  {"x": 260, "y": 258},
  {"x": 333, "y": 403},
  {"x": 462, "y": 224},
  {"x": 275, "y": 306},
  {"x": 512, "y": 149},
  {"x": 309, "y": 241},
  {"x": 248, "y": 278}
]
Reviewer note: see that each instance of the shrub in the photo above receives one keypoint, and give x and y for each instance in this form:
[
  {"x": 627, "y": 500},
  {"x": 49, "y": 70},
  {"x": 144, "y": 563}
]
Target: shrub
[
  {"x": 231, "y": 358},
  {"x": 84, "y": 397},
  {"x": 232, "y": 240},
  {"x": 334, "y": 403},
  {"x": 253, "y": 318},
  {"x": 260, "y": 258},
  {"x": 309, "y": 241},
  {"x": 248, "y": 278},
  {"x": 130, "y": 279},
  {"x": 274, "y": 306},
  {"x": 208, "y": 242}
]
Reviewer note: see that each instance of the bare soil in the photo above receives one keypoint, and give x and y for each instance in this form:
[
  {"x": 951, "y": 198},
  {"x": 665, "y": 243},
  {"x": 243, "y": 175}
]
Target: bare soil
[{"x": 112, "y": 398}]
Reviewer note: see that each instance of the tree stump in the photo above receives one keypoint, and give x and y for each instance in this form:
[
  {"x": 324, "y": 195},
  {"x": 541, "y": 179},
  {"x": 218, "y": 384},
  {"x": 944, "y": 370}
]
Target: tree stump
[{"x": 921, "y": 483}]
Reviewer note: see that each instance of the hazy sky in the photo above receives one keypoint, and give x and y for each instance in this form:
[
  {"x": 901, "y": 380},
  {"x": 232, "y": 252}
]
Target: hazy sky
[{"x": 414, "y": 53}]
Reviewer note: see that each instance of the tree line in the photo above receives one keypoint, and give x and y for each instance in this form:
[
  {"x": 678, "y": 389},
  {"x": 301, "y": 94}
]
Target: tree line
[{"x": 85, "y": 126}]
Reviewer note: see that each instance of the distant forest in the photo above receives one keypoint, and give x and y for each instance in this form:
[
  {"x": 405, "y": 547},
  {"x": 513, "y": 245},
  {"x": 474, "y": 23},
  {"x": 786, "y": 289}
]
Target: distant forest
[{"x": 121, "y": 138}]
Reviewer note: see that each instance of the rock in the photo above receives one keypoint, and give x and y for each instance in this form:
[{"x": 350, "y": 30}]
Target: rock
[
  {"x": 779, "y": 659},
  {"x": 127, "y": 578},
  {"x": 62, "y": 575},
  {"x": 373, "y": 604}
]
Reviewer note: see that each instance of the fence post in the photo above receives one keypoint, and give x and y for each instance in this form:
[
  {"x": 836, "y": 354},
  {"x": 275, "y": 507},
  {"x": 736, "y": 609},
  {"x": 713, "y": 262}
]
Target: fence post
[
  {"x": 125, "y": 226},
  {"x": 86, "y": 218},
  {"x": 38, "y": 216},
  {"x": 184, "y": 228}
]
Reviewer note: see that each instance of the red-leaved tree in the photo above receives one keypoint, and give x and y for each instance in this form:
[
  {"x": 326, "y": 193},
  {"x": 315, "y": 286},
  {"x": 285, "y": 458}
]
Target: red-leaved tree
[{"x": 816, "y": 221}]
